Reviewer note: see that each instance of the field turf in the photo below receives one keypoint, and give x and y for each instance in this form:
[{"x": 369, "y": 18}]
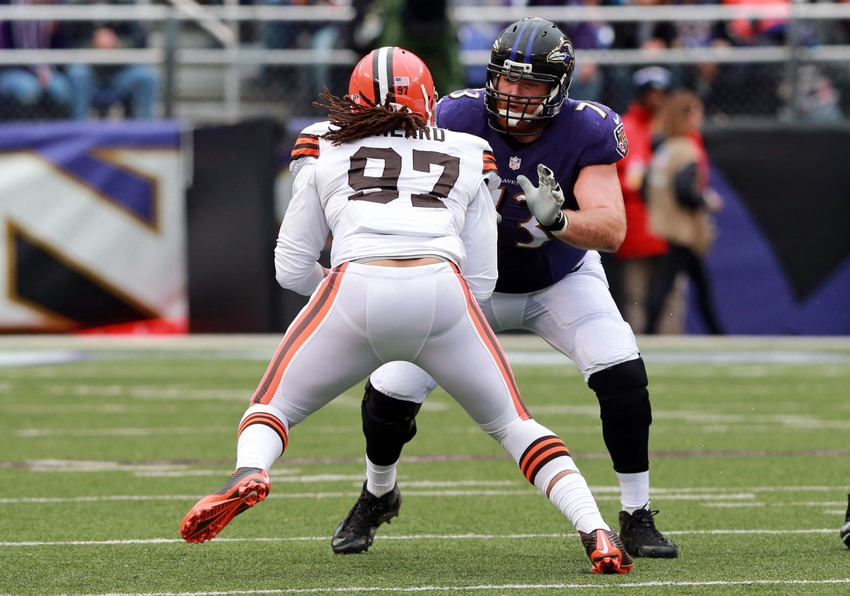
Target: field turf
[{"x": 105, "y": 444}]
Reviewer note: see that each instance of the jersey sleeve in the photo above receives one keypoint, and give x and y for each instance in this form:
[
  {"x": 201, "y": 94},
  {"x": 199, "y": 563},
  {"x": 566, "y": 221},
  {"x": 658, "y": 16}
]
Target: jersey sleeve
[
  {"x": 490, "y": 171},
  {"x": 479, "y": 240},
  {"x": 306, "y": 148},
  {"x": 456, "y": 110},
  {"x": 302, "y": 235},
  {"x": 605, "y": 140}
]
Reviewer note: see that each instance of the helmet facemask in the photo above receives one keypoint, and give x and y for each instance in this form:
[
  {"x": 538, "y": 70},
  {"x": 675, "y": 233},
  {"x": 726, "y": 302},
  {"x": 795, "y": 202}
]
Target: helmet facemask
[{"x": 534, "y": 50}]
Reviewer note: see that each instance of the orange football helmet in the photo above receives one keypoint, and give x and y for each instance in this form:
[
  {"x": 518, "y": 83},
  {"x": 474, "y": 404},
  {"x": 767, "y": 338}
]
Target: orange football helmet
[{"x": 398, "y": 72}]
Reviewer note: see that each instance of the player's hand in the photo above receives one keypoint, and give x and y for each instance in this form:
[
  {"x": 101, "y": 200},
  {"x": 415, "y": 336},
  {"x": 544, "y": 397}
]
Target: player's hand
[{"x": 545, "y": 201}]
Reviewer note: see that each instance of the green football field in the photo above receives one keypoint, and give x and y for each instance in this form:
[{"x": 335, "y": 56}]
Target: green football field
[{"x": 105, "y": 444}]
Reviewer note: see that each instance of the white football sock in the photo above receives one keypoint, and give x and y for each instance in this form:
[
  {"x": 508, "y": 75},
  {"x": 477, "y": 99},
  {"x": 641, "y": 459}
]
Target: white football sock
[
  {"x": 634, "y": 491},
  {"x": 259, "y": 447},
  {"x": 380, "y": 479},
  {"x": 572, "y": 497}
]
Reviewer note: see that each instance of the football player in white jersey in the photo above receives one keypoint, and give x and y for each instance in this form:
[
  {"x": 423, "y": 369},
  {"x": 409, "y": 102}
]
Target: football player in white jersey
[{"x": 414, "y": 249}]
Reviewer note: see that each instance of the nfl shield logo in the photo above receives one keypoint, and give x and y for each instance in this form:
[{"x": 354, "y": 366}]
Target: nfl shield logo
[{"x": 514, "y": 163}]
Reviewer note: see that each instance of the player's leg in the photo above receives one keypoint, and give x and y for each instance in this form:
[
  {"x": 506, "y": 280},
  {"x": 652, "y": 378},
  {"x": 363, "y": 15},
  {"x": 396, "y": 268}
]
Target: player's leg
[
  {"x": 465, "y": 358},
  {"x": 297, "y": 382},
  {"x": 388, "y": 423},
  {"x": 391, "y": 400},
  {"x": 578, "y": 317},
  {"x": 392, "y": 397}
]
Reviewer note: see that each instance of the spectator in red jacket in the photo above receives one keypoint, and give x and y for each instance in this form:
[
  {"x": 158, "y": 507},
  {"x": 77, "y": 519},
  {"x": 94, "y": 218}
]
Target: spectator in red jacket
[{"x": 641, "y": 250}]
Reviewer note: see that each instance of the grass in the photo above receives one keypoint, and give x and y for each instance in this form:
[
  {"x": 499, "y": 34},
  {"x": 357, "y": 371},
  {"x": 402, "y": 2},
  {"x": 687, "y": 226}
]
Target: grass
[{"x": 102, "y": 457}]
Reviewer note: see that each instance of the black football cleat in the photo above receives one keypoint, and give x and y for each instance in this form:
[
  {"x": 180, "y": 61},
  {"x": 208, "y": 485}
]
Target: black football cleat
[
  {"x": 642, "y": 539},
  {"x": 356, "y": 532},
  {"x": 606, "y": 551},
  {"x": 845, "y": 529}
]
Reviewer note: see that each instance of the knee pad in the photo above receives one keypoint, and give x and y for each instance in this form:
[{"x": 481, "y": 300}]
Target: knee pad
[
  {"x": 386, "y": 418},
  {"x": 622, "y": 393}
]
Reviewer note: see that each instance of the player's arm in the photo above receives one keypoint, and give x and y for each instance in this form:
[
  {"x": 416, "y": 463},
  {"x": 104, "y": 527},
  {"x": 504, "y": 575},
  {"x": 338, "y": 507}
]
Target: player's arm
[
  {"x": 479, "y": 240},
  {"x": 302, "y": 235},
  {"x": 600, "y": 221}
]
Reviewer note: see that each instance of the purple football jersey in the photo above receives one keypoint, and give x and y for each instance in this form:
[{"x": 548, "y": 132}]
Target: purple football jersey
[{"x": 582, "y": 134}]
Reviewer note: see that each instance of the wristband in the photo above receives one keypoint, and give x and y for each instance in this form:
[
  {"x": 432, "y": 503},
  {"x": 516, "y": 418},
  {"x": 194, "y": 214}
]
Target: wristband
[{"x": 560, "y": 224}]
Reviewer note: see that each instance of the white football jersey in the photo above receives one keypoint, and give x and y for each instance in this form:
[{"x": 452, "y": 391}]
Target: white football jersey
[{"x": 390, "y": 197}]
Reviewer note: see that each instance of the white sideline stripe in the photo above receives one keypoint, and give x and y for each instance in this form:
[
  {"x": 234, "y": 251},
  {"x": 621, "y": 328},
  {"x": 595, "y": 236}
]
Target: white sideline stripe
[
  {"x": 627, "y": 585},
  {"x": 18, "y": 358},
  {"x": 410, "y": 537}
]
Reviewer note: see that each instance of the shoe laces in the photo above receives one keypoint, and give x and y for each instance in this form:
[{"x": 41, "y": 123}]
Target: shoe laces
[
  {"x": 643, "y": 519},
  {"x": 367, "y": 505}
]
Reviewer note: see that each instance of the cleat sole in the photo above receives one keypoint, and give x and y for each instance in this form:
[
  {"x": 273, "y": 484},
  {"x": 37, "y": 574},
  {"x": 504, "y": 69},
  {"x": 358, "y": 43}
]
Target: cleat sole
[
  {"x": 206, "y": 520},
  {"x": 610, "y": 565}
]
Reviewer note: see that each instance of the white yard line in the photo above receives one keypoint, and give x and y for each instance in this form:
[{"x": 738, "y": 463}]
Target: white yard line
[
  {"x": 503, "y": 537},
  {"x": 114, "y": 432},
  {"x": 559, "y": 587},
  {"x": 320, "y": 495},
  {"x": 713, "y": 496}
]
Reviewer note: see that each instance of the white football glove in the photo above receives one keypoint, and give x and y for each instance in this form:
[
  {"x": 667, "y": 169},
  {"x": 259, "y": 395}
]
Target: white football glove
[{"x": 545, "y": 201}]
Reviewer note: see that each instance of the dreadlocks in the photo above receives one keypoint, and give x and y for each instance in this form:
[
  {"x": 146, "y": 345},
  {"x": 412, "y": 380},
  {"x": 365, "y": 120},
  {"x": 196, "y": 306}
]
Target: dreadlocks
[{"x": 355, "y": 121}]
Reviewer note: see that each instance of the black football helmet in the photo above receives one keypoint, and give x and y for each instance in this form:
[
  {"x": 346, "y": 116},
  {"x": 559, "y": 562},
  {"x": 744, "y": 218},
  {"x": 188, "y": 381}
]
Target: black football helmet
[{"x": 537, "y": 50}]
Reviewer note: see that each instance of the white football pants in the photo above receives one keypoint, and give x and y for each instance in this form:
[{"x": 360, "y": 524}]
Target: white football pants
[{"x": 577, "y": 316}]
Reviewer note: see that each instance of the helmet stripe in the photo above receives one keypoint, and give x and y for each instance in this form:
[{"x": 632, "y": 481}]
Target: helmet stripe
[
  {"x": 390, "y": 80},
  {"x": 382, "y": 68},
  {"x": 531, "y": 41},
  {"x": 518, "y": 37},
  {"x": 376, "y": 76}
]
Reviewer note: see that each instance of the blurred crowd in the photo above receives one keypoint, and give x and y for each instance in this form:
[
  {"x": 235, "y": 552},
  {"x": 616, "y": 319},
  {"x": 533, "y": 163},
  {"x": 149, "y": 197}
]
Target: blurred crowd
[
  {"x": 79, "y": 90},
  {"x": 725, "y": 89},
  {"x": 821, "y": 91}
]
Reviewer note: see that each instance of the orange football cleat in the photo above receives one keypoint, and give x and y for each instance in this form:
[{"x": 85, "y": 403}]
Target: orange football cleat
[
  {"x": 246, "y": 488},
  {"x": 606, "y": 552}
]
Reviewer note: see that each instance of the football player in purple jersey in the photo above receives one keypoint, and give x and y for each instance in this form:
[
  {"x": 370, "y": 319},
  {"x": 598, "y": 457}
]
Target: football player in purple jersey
[{"x": 550, "y": 279}]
